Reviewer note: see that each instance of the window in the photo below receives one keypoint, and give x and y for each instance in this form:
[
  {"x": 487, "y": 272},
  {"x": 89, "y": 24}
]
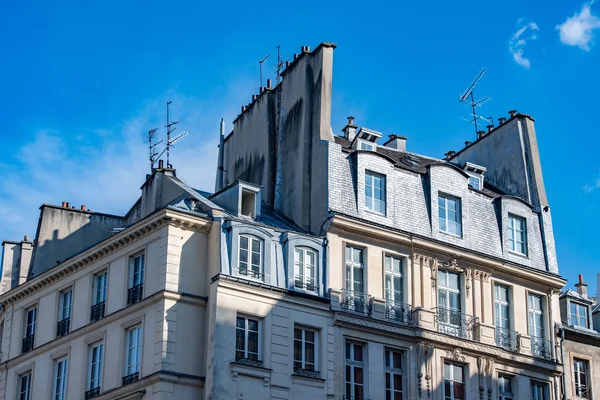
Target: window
[
  {"x": 30, "y": 322},
  {"x": 449, "y": 290},
  {"x": 247, "y": 339},
  {"x": 304, "y": 268},
  {"x": 305, "y": 350},
  {"x": 502, "y": 307},
  {"x": 248, "y": 206},
  {"x": 579, "y": 315},
  {"x": 394, "y": 282},
  {"x": 365, "y": 146},
  {"x": 100, "y": 287},
  {"x": 580, "y": 373},
  {"x": 517, "y": 234},
  {"x": 134, "y": 342},
  {"x": 95, "y": 367},
  {"x": 505, "y": 391},
  {"x": 475, "y": 182},
  {"x": 25, "y": 386},
  {"x": 355, "y": 364},
  {"x": 536, "y": 326},
  {"x": 354, "y": 269},
  {"x": 538, "y": 391},
  {"x": 250, "y": 261},
  {"x": 454, "y": 386},
  {"x": 64, "y": 312},
  {"x": 449, "y": 215},
  {"x": 60, "y": 378},
  {"x": 375, "y": 192},
  {"x": 393, "y": 374},
  {"x": 136, "y": 271}
]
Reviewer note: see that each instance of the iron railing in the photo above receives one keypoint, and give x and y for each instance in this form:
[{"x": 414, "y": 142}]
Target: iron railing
[
  {"x": 398, "y": 311},
  {"x": 582, "y": 391},
  {"x": 541, "y": 348},
  {"x": 98, "y": 311},
  {"x": 131, "y": 378},
  {"x": 452, "y": 322},
  {"x": 62, "y": 327},
  {"x": 356, "y": 301},
  {"x": 135, "y": 294},
  {"x": 92, "y": 393},
  {"x": 251, "y": 273},
  {"x": 300, "y": 284},
  {"x": 27, "y": 344},
  {"x": 509, "y": 339}
]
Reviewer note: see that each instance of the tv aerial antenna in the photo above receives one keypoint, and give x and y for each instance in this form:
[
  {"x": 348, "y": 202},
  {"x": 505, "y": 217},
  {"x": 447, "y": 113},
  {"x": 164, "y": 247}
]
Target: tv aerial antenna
[
  {"x": 260, "y": 64},
  {"x": 171, "y": 126},
  {"x": 149, "y": 140},
  {"x": 468, "y": 98}
]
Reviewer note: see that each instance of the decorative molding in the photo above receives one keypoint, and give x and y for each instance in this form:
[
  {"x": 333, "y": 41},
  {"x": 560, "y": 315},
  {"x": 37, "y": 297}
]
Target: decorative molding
[
  {"x": 428, "y": 376},
  {"x": 420, "y": 356},
  {"x": 481, "y": 275},
  {"x": 456, "y": 355},
  {"x": 467, "y": 281}
]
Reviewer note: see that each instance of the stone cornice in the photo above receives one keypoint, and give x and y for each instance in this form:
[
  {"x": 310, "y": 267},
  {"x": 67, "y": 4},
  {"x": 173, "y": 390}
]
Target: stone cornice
[
  {"x": 108, "y": 246},
  {"x": 446, "y": 342},
  {"x": 371, "y": 230}
]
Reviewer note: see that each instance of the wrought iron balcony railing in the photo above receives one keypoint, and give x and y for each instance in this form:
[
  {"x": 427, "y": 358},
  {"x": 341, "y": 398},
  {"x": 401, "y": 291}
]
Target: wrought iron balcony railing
[
  {"x": 356, "y": 301},
  {"x": 131, "y": 378},
  {"x": 92, "y": 393},
  {"x": 299, "y": 282},
  {"x": 510, "y": 340},
  {"x": 27, "y": 344},
  {"x": 62, "y": 327},
  {"x": 250, "y": 273},
  {"x": 452, "y": 322},
  {"x": 582, "y": 391},
  {"x": 98, "y": 311},
  {"x": 135, "y": 294},
  {"x": 541, "y": 348},
  {"x": 398, "y": 311}
]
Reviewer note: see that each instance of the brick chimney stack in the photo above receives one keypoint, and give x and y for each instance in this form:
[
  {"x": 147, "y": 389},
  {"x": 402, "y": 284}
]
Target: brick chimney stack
[
  {"x": 350, "y": 129},
  {"x": 581, "y": 287}
]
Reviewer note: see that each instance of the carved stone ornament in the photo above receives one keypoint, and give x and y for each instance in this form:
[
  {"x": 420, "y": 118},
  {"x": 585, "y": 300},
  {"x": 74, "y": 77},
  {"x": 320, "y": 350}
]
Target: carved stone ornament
[
  {"x": 456, "y": 354},
  {"x": 468, "y": 281},
  {"x": 481, "y": 275}
]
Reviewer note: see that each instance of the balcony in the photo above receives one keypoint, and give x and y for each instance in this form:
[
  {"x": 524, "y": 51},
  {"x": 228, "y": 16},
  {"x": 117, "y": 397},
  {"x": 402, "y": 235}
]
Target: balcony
[
  {"x": 307, "y": 373},
  {"x": 300, "y": 284},
  {"x": 452, "y": 322},
  {"x": 131, "y": 378},
  {"x": 541, "y": 348},
  {"x": 250, "y": 273},
  {"x": 508, "y": 339},
  {"x": 62, "y": 327},
  {"x": 356, "y": 301},
  {"x": 27, "y": 344},
  {"x": 398, "y": 311},
  {"x": 92, "y": 393},
  {"x": 135, "y": 294},
  {"x": 98, "y": 311},
  {"x": 582, "y": 391}
]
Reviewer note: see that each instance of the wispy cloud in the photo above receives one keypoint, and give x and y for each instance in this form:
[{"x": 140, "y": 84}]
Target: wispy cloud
[
  {"x": 103, "y": 168},
  {"x": 578, "y": 30},
  {"x": 516, "y": 45},
  {"x": 595, "y": 184}
]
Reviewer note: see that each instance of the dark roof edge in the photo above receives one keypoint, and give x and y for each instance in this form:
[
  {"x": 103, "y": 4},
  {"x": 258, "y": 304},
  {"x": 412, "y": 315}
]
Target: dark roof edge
[
  {"x": 510, "y": 196},
  {"x": 80, "y": 211}
]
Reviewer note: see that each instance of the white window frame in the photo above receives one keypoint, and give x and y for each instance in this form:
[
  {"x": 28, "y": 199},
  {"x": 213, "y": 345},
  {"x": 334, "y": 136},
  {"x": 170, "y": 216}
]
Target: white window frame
[
  {"x": 578, "y": 307},
  {"x": 133, "y": 350},
  {"x": 581, "y": 367},
  {"x": 372, "y": 198},
  {"x": 30, "y": 328},
  {"x": 352, "y": 265},
  {"x": 477, "y": 178},
  {"x": 61, "y": 373},
  {"x": 537, "y": 386},
  {"x": 246, "y": 331},
  {"x": 519, "y": 247},
  {"x": 447, "y": 290},
  {"x": 388, "y": 271},
  {"x": 25, "y": 393},
  {"x": 355, "y": 364},
  {"x": 502, "y": 304},
  {"x": 392, "y": 369},
  {"x": 250, "y": 271},
  {"x": 531, "y": 313},
  {"x": 65, "y": 304},
  {"x": 447, "y": 221},
  {"x": 450, "y": 396},
  {"x": 136, "y": 275},
  {"x": 364, "y": 145},
  {"x": 502, "y": 394},
  {"x": 303, "y": 343},
  {"x": 301, "y": 267},
  {"x": 99, "y": 292},
  {"x": 95, "y": 374}
]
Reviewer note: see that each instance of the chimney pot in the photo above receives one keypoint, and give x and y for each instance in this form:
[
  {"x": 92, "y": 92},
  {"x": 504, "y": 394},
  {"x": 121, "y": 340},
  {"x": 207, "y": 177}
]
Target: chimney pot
[
  {"x": 512, "y": 113},
  {"x": 295, "y": 56},
  {"x": 450, "y": 154},
  {"x": 350, "y": 129},
  {"x": 67, "y": 205},
  {"x": 501, "y": 120},
  {"x": 64, "y": 204},
  {"x": 581, "y": 286},
  {"x": 160, "y": 164},
  {"x": 305, "y": 49},
  {"x": 269, "y": 82},
  {"x": 580, "y": 278},
  {"x": 253, "y": 98},
  {"x": 83, "y": 207},
  {"x": 467, "y": 143},
  {"x": 489, "y": 128},
  {"x": 26, "y": 238},
  {"x": 287, "y": 64},
  {"x": 480, "y": 134}
]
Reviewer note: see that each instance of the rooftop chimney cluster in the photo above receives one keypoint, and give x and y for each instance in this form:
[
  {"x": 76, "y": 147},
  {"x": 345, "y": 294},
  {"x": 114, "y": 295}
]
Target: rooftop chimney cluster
[
  {"x": 66, "y": 204},
  {"x": 482, "y": 133}
]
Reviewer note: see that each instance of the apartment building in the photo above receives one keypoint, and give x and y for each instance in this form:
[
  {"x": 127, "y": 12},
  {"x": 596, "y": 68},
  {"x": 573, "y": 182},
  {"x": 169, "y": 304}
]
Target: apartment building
[
  {"x": 442, "y": 271},
  {"x": 188, "y": 296}
]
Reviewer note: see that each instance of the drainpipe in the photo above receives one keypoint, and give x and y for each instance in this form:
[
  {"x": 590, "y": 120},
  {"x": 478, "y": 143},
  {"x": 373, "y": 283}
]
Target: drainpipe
[{"x": 562, "y": 361}]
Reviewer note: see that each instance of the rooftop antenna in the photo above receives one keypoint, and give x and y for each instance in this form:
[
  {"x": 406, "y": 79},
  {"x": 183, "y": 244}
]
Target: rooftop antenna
[
  {"x": 171, "y": 141},
  {"x": 149, "y": 140},
  {"x": 468, "y": 98},
  {"x": 260, "y": 63}
]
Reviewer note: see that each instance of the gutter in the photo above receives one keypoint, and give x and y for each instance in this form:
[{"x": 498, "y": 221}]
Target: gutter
[{"x": 562, "y": 361}]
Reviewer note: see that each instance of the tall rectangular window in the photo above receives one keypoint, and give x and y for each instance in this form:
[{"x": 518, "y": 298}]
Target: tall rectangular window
[
  {"x": 136, "y": 271},
  {"x": 100, "y": 288},
  {"x": 60, "y": 378},
  {"x": 393, "y": 374},
  {"x": 250, "y": 256},
  {"x": 247, "y": 339},
  {"x": 304, "y": 268},
  {"x": 30, "y": 321},
  {"x": 454, "y": 384},
  {"x": 580, "y": 373},
  {"x": 536, "y": 326},
  {"x": 501, "y": 307},
  {"x": 354, "y": 269},
  {"x": 517, "y": 234},
  {"x": 134, "y": 345},
  {"x": 579, "y": 315},
  {"x": 505, "y": 390},
  {"x": 375, "y": 192},
  {"x": 305, "y": 350},
  {"x": 25, "y": 386},
  {"x": 354, "y": 376},
  {"x": 538, "y": 391},
  {"x": 66, "y": 298},
  {"x": 95, "y": 367},
  {"x": 449, "y": 302},
  {"x": 394, "y": 279},
  {"x": 449, "y": 214}
]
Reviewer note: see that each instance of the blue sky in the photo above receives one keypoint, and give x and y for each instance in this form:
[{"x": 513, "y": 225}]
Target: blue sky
[{"x": 81, "y": 82}]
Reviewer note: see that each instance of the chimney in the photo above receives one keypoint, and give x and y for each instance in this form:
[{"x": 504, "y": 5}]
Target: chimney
[
  {"x": 160, "y": 164},
  {"x": 489, "y": 128},
  {"x": 396, "y": 142},
  {"x": 269, "y": 84},
  {"x": 305, "y": 49},
  {"x": 581, "y": 287},
  {"x": 350, "y": 129},
  {"x": 512, "y": 113},
  {"x": 467, "y": 143},
  {"x": 449, "y": 154},
  {"x": 480, "y": 134},
  {"x": 83, "y": 207},
  {"x": 501, "y": 120},
  {"x": 64, "y": 204},
  {"x": 67, "y": 205}
]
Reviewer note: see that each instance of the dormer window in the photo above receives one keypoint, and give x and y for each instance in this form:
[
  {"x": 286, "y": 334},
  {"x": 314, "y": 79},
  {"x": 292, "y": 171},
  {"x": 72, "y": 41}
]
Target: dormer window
[
  {"x": 362, "y": 145},
  {"x": 475, "y": 173},
  {"x": 475, "y": 182},
  {"x": 248, "y": 203},
  {"x": 579, "y": 315},
  {"x": 368, "y": 135}
]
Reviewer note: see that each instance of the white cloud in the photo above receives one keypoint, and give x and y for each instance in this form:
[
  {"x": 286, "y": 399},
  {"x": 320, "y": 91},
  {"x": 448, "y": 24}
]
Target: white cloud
[
  {"x": 104, "y": 168},
  {"x": 578, "y": 29},
  {"x": 517, "y": 43},
  {"x": 590, "y": 187}
]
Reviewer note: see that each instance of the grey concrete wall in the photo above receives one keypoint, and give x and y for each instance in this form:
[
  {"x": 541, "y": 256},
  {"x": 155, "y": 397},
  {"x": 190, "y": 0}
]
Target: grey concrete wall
[
  {"x": 11, "y": 259},
  {"x": 589, "y": 353}
]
